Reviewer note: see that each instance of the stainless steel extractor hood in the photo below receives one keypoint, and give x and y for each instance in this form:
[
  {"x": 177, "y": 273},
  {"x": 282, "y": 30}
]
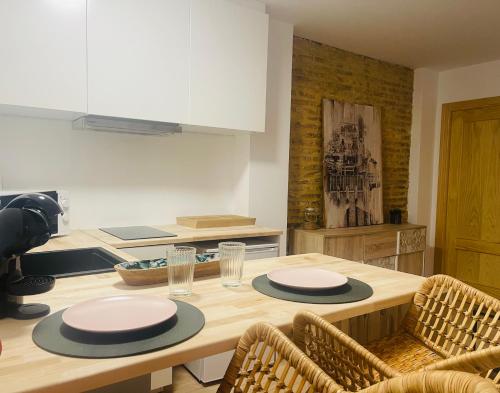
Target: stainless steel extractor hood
[{"x": 129, "y": 126}]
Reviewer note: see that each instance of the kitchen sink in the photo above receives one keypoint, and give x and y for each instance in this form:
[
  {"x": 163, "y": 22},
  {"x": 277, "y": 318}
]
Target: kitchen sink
[{"x": 69, "y": 263}]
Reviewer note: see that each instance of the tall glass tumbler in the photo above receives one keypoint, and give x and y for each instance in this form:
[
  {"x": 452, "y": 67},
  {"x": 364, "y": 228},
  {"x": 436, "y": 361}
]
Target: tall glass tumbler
[
  {"x": 232, "y": 255},
  {"x": 180, "y": 265}
]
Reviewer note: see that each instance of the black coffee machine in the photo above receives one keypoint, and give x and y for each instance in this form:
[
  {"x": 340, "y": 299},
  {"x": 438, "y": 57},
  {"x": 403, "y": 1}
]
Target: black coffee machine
[{"x": 24, "y": 224}]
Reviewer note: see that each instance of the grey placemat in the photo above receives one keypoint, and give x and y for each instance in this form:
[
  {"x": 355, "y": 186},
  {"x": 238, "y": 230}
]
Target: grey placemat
[
  {"x": 54, "y": 336},
  {"x": 353, "y": 291}
]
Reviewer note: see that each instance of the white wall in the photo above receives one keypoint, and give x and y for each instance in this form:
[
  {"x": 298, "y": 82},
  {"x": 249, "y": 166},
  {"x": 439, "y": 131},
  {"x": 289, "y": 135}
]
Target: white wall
[
  {"x": 459, "y": 84},
  {"x": 269, "y": 151},
  {"x": 467, "y": 83},
  {"x": 422, "y": 144},
  {"x": 118, "y": 179},
  {"x": 421, "y": 151}
]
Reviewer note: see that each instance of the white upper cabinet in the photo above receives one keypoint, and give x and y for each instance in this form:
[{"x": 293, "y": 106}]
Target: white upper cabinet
[
  {"x": 42, "y": 54},
  {"x": 138, "y": 59},
  {"x": 228, "y": 65},
  {"x": 194, "y": 62}
]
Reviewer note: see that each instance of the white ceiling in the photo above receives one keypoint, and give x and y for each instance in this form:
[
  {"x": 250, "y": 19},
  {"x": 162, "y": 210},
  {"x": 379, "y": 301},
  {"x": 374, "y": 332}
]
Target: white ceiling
[{"x": 438, "y": 34}]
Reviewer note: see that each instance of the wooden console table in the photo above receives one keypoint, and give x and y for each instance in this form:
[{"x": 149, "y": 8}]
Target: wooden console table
[{"x": 397, "y": 247}]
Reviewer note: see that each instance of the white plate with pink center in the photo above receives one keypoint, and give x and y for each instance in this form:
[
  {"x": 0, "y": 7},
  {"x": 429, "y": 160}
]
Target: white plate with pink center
[
  {"x": 307, "y": 278},
  {"x": 122, "y": 313}
]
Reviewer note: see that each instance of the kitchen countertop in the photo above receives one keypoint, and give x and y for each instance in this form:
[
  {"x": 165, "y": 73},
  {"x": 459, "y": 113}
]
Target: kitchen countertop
[
  {"x": 83, "y": 238},
  {"x": 79, "y": 239},
  {"x": 229, "y": 312},
  {"x": 186, "y": 235}
]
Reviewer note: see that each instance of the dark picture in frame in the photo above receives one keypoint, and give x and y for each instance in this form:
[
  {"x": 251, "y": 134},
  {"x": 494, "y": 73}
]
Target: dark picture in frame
[{"x": 352, "y": 164}]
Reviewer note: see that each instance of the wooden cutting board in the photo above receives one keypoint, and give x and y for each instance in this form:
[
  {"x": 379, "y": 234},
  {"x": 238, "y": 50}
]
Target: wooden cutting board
[{"x": 227, "y": 220}]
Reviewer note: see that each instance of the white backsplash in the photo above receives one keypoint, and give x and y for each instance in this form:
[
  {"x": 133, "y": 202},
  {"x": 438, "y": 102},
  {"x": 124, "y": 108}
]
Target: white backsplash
[{"x": 116, "y": 179}]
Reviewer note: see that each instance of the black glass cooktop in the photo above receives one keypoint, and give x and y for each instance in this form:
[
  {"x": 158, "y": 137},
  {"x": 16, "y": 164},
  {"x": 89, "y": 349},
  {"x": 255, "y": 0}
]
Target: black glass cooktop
[{"x": 137, "y": 232}]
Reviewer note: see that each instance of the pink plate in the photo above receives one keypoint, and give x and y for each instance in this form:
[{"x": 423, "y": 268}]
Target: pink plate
[
  {"x": 119, "y": 313},
  {"x": 307, "y": 278}
]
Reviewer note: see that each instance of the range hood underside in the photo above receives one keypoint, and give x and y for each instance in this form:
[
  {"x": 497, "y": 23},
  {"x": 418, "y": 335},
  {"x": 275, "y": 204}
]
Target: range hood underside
[{"x": 123, "y": 125}]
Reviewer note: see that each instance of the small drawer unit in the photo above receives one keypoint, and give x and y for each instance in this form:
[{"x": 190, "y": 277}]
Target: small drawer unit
[
  {"x": 380, "y": 245},
  {"x": 392, "y": 246}
]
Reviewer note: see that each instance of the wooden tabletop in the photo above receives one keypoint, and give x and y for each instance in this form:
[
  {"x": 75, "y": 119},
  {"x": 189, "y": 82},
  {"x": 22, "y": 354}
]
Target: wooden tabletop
[
  {"x": 185, "y": 235},
  {"x": 229, "y": 312}
]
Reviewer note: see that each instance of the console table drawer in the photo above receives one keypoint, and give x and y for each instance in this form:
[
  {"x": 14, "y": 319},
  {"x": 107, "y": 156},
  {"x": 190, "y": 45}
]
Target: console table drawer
[{"x": 380, "y": 245}]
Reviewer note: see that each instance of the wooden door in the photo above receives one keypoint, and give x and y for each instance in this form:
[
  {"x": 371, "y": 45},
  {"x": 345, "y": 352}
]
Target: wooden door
[{"x": 470, "y": 207}]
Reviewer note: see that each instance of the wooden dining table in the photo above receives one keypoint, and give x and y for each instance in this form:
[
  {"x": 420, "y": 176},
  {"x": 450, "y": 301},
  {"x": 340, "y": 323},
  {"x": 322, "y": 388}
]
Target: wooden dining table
[{"x": 24, "y": 367}]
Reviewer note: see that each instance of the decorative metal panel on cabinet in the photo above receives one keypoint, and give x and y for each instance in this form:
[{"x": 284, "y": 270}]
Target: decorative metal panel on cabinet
[{"x": 397, "y": 247}]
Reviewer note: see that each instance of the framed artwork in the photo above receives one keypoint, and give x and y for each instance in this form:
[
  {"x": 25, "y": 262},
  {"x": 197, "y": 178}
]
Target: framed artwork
[{"x": 352, "y": 164}]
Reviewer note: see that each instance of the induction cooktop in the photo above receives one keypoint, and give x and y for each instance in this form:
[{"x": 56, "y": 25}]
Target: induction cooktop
[{"x": 137, "y": 232}]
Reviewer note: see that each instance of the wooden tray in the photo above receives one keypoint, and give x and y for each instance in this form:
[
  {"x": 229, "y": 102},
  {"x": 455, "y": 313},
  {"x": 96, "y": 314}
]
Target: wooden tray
[
  {"x": 159, "y": 275},
  {"x": 215, "y": 221}
]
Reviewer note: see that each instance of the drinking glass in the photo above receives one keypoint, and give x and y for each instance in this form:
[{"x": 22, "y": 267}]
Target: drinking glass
[
  {"x": 180, "y": 265},
  {"x": 232, "y": 255}
]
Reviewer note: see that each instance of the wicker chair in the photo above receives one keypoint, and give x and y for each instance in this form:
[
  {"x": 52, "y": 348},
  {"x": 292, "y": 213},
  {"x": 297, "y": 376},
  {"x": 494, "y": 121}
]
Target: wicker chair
[
  {"x": 267, "y": 361},
  {"x": 449, "y": 326}
]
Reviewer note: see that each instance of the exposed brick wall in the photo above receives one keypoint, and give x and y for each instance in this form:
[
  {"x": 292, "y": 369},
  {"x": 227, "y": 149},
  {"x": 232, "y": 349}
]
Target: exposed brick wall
[{"x": 321, "y": 71}]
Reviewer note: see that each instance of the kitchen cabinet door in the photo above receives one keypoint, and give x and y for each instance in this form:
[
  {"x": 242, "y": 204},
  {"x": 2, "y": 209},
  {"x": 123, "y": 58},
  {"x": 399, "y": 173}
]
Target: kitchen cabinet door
[
  {"x": 228, "y": 65},
  {"x": 42, "y": 53},
  {"x": 138, "y": 59}
]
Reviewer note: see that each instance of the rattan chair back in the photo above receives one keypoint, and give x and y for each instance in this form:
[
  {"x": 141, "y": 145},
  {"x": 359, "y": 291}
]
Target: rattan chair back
[
  {"x": 341, "y": 357},
  {"x": 453, "y": 318},
  {"x": 434, "y": 382},
  {"x": 265, "y": 360}
]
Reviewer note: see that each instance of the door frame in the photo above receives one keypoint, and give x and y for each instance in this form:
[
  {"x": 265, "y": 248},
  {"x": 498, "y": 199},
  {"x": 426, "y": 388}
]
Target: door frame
[{"x": 444, "y": 164}]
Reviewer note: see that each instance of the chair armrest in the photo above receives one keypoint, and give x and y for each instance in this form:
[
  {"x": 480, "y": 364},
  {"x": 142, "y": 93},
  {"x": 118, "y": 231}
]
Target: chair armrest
[
  {"x": 345, "y": 360},
  {"x": 266, "y": 360},
  {"x": 481, "y": 362},
  {"x": 434, "y": 382}
]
